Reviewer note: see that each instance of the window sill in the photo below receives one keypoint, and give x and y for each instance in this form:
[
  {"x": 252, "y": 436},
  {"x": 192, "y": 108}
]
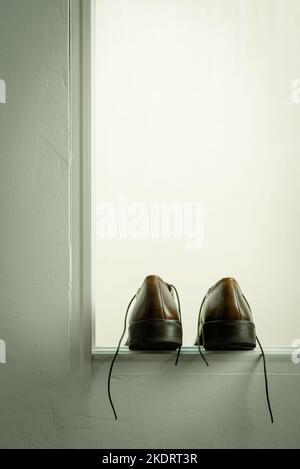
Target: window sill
[
  {"x": 193, "y": 350},
  {"x": 279, "y": 361}
]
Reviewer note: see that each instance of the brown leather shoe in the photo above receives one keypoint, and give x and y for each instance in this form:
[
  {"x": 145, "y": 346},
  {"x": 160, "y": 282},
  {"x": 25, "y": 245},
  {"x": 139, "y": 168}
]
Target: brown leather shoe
[
  {"x": 225, "y": 320},
  {"x": 155, "y": 319}
]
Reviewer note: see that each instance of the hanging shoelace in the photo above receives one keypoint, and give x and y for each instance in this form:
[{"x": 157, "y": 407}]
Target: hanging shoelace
[
  {"x": 179, "y": 310},
  {"x": 262, "y": 353},
  {"x": 266, "y": 380},
  {"x": 119, "y": 345},
  {"x": 265, "y": 370},
  {"x": 115, "y": 356},
  {"x": 198, "y": 334}
]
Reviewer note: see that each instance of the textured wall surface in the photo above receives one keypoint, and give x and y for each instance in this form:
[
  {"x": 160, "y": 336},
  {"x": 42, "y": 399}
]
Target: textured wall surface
[{"x": 41, "y": 404}]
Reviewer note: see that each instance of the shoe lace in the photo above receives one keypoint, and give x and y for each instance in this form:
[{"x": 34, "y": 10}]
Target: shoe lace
[
  {"x": 261, "y": 349},
  {"x": 179, "y": 311},
  {"x": 266, "y": 380},
  {"x": 265, "y": 370},
  {"x": 198, "y": 334},
  {"x": 119, "y": 345},
  {"x": 114, "y": 358}
]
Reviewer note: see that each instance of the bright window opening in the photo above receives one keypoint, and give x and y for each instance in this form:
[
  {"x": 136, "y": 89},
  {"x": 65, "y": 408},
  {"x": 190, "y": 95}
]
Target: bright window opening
[{"x": 195, "y": 166}]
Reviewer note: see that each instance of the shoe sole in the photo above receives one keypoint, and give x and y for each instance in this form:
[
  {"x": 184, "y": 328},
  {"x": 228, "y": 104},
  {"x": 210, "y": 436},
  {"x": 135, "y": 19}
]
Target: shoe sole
[
  {"x": 228, "y": 335},
  {"x": 154, "y": 334}
]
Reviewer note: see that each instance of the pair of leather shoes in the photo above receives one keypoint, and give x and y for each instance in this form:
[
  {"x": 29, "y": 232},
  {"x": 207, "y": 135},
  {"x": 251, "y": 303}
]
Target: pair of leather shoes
[{"x": 225, "y": 320}]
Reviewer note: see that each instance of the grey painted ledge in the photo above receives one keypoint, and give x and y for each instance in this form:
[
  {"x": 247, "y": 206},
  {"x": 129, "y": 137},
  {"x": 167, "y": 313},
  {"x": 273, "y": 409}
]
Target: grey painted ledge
[
  {"x": 193, "y": 350},
  {"x": 279, "y": 361},
  {"x": 190, "y": 405}
]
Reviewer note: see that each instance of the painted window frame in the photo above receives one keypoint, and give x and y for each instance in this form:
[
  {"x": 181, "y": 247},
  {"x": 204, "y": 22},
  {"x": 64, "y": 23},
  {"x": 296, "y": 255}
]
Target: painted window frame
[
  {"x": 82, "y": 318},
  {"x": 80, "y": 300}
]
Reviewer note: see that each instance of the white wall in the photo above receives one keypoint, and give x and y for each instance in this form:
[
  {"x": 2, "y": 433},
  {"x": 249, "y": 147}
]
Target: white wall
[
  {"x": 42, "y": 403},
  {"x": 193, "y": 103}
]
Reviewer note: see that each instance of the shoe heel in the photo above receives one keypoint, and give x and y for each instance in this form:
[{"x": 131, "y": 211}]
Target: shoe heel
[
  {"x": 154, "y": 334},
  {"x": 229, "y": 335}
]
